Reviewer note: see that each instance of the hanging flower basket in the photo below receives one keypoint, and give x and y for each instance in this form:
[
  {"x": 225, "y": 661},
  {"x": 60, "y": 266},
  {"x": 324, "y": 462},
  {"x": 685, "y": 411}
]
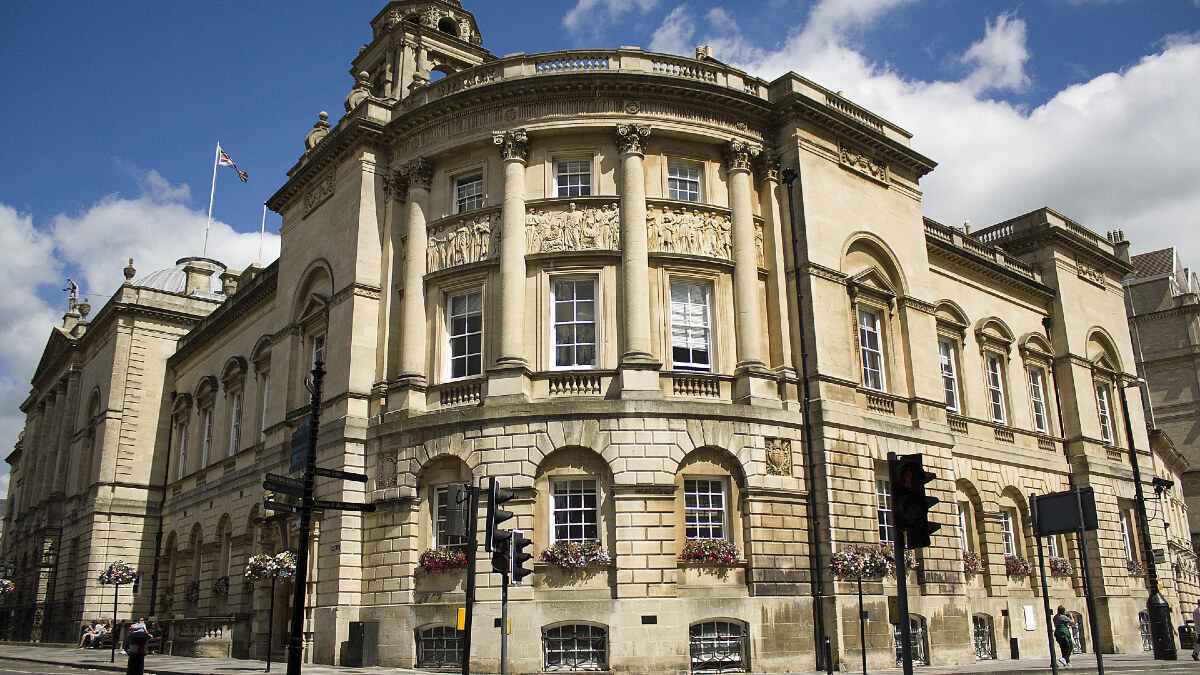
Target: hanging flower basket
[
  {"x": 972, "y": 563},
  {"x": 261, "y": 566},
  {"x": 866, "y": 562},
  {"x": 1060, "y": 566},
  {"x": 119, "y": 573},
  {"x": 248, "y": 586},
  {"x": 710, "y": 551},
  {"x": 6, "y": 587},
  {"x": 443, "y": 559},
  {"x": 1136, "y": 569},
  {"x": 285, "y": 565},
  {"x": 192, "y": 594},
  {"x": 221, "y": 587},
  {"x": 573, "y": 555},
  {"x": 888, "y": 552},
  {"x": 1017, "y": 568},
  {"x": 168, "y": 598}
]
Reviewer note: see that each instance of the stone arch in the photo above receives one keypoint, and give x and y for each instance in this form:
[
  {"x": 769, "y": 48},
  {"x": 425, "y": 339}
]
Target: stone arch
[
  {"x": 224, "y": 562},
  {"x": 993, "y": 329},
  {"x": 234, "y": 370},
  {"x": 1035, "y": 344},
  {"x": 864, "y": 250},
  {"x": 314, "y": 290},
  {"x": 564, "y": 476},
  {"x": 434, "y": 475},
  {"x": 700, "y": 468},
  {"x": 449, "y": 26},
  {"x": 950, "y": 313},
  {"x": 196, "y": 543},
  {"x": 261, "y": 352},
  {"x": 206, "y": 387},
  {"x": 1102, "y": 350}
]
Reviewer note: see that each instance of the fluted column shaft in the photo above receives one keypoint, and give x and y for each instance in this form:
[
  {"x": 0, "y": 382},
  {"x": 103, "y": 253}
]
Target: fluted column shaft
[
  {"x": 514, "y": 151},
  {"x": 413, "y": 347},
  {"x": 635, "y": 263},
  {"x": 748, "y": 321}
]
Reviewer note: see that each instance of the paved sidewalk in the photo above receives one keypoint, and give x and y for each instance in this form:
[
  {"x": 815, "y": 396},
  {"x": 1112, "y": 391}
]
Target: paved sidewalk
[{"x": 159, "y": 664}]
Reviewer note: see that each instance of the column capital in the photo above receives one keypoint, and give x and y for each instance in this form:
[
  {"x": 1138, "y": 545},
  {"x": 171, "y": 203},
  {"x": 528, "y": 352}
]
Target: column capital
[
  {"x": 395, "y": 186},
  {"x": 768, "y": 166},
  {"x": 739, "y": 154},
  {"x": 631, "y": 138},
  {"x": 418, "y": 173},
  {"x": 513, "y": 144}
]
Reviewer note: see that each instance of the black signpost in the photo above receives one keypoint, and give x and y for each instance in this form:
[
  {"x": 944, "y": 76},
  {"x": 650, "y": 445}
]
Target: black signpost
[{"x": 304, "y": 456}]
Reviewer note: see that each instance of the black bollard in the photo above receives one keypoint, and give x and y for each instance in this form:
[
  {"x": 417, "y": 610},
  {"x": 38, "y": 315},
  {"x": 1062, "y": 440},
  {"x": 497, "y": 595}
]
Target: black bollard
[
  {"x": 138, "y": 646},
  {"x": 828, "y": 657}
]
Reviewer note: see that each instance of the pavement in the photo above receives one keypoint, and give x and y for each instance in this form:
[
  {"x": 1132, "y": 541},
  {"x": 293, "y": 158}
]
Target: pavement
[{"x": 159, "y": 664}]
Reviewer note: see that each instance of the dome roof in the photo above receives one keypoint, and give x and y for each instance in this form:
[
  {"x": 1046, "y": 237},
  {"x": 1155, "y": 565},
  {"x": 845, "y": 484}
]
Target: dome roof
[{"x": 174, "y": 279}]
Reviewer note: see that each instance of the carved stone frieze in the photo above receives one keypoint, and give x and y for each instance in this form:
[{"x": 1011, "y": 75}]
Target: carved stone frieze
[
  {"x": 1089, "y": 273},
  {"x": 387, "y": 471},
  {"x": 462, "y": 242},
  {"x": 779, "y": 457},
  {"x": 321, "y": 191},
  {"x": 573, "y": 229},
  {"x": 513, "y": 144},
  {"x": 418, "y": 173},
  {"x": 632, "y": 137},
  {"x": 694, "y": 232},
  {"x": 739, "y": 154},
  {"x": 862, "y": 163}
]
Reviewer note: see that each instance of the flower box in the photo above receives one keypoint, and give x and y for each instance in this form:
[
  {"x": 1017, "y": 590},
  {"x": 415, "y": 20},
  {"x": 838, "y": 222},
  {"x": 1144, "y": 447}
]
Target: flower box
[
  {"x": 709, "y": 552},
  {"x": 1017, "y": 568},
  {"x": 576, "y": 555},
  {"x": 443, "y": 559}
]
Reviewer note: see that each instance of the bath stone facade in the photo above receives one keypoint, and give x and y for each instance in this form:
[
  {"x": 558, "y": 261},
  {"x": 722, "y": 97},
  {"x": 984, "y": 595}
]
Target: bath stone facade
[{"x": 580, "y": 273}]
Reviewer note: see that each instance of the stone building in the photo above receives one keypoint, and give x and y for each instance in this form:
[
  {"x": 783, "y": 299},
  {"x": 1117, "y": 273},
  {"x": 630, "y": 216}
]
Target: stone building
[
  {"x": 1164, "y": 321},
  {"x": 578, "y": 273}
]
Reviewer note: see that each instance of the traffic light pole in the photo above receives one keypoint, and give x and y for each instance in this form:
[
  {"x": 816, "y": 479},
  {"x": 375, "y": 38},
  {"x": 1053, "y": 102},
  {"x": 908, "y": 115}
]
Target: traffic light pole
[
  {"x": 472, "y": 546},
  {"x": 902, "y": 600},
  {"x": 504, "y": 624}
]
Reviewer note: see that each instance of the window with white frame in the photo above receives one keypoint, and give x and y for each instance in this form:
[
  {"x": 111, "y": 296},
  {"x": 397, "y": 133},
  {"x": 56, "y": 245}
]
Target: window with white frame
[
  {"x": 1008, "y": 532},
  {"x": 266, "y": 397},
  {"x": 468, "y": 193},
  {"x": 206, "y": 449},
  {"x": 235, "y": 423},
  {"x": 464, "y": 323},
  {"x": 318, "y": 350},
  {"x": 574, "y": 311},
  {"x": 691, "y": 335},
  {"x": 441, "y": 512},
  {"x": 1052, "y": 547},
  {"x": 704, "y": 508},
  {"x": 575, "y": 647},
  {"x": 183, "y": 437},
  {"x": 576, "y": 509},
  {"x": 683, "y": 181},
  {"x": 995, "y": 386},
  {"x": 1126, "y": 535},
  {"x": 573, "y": 177},
  {"x": 883, "y": 510},
  {"x": 1104, "y": 409},
  {"x": 870, "y": 341},
  {"x": 1037, "y": 399},
  {"x": 949, "y": 362},
  {"x": 964, "y": 540}
]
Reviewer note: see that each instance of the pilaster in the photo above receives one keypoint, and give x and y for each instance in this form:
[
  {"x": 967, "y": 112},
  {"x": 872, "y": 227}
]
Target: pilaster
[{"x": 638, "y": 366}]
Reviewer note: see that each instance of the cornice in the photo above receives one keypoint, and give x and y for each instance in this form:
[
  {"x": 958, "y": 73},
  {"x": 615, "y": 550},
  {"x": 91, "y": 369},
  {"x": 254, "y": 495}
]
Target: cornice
[
  {"x": 357, "y": 131},
  {"x": 988, "y": 268},
  {"x": 1042, "y": 236},
  {"x": 1184, "y": 310}
]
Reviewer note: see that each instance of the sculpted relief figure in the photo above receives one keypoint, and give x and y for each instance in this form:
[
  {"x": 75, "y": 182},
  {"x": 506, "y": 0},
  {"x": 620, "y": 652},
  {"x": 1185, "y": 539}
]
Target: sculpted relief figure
[
  {"x": 694, "y": 233},
  {"x": 573, "y": 229},
  {"x": 461, "y": 243}
]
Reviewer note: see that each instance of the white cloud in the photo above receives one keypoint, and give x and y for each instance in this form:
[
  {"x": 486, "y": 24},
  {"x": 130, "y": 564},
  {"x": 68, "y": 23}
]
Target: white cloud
[
  {"x": 588, "y": 13},
  {"x": 674, "y": 36},
  {"x": 155, "y": 228},
  {"x": 999, "y": 58}
]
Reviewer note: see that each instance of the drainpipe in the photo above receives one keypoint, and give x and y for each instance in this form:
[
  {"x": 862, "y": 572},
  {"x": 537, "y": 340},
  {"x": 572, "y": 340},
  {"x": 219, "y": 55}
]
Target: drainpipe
[{"x": 814, "y": 531}]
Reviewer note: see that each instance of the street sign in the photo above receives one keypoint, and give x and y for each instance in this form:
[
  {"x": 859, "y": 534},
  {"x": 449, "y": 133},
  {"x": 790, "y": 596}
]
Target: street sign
[
  {"x": 280, "y": 506},
  {"x": 1058, "y": 512},
  {"x": 343, "y": 506},
  {"x": 343, "y": 475},
  {"x": 288, "y": 486},
  {"x": 300, "y": 438}
]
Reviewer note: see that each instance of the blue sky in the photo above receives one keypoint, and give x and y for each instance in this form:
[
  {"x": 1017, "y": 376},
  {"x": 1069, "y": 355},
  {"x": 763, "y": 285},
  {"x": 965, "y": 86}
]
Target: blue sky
[{"x": 114, "y": 109}]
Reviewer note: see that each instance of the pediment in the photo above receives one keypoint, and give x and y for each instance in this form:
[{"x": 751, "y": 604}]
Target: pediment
[
  {"x": 313, "y": 309},
  {"x": 873, "y": 280},
  {"x": 58, "y": 343}
]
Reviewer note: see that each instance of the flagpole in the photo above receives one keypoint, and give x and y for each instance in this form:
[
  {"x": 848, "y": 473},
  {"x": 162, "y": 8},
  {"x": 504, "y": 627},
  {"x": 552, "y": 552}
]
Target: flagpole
[
  {"x": 211, "y": 191},
  {"x": 261, "y": 231}
]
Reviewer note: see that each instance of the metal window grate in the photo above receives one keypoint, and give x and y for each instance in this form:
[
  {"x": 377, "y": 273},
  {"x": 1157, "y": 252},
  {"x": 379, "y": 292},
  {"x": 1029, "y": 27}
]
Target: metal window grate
[
  {"x": 439, "y": 647},
  {"x": 575, "y": 647},
  {"x": 719, "y": 647}
]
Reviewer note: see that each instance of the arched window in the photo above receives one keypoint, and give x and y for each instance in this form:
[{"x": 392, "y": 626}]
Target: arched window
[
  {"x": 434, "y": 479},
  {"x": 985, "y": 638},
  {"x": 995, "y": 341},
  {"x": 439, "y": 647},
  {"x": 720, "y": 646},
  {"x": 710, "y": 483},
  {"x": 578, "y": 483},
  {"x": 920, "y": 642},
  {"x": 449, "y": 26},
  {"x": 575, "y": 647}
]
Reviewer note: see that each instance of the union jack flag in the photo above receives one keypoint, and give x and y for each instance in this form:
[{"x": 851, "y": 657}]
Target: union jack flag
[{"x": 224, "y": 160}]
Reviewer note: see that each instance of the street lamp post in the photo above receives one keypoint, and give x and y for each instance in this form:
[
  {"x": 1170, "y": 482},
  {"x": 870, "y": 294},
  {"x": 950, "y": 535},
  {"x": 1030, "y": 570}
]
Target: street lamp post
[{"x": 1156, "y": 605}]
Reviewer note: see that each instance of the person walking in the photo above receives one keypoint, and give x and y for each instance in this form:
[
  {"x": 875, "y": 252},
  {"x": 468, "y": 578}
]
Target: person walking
[
  {"x": 1196, "y": 622},
  {"x": 1062, "y": 634}
]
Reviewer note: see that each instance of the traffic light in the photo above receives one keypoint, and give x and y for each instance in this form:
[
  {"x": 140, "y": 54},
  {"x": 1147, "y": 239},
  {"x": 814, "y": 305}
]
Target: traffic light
[
  {"x": 501, "y": 556},
  {"x": 496, "y": 515},
  {"x": 518, "y": 543},
  {"x": 458, "y": 498},
  {"x": 910, "y": 506}
]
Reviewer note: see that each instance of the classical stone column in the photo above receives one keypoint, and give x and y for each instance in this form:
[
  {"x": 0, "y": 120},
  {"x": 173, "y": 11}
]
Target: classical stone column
[
  {"x": 639, "y": 378},
  {"x": 62, "y": 462},
  {"x": 510, "y": 377},
  {"x": 413, "y": 341},
  {"x": 751, "y": 374}
]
